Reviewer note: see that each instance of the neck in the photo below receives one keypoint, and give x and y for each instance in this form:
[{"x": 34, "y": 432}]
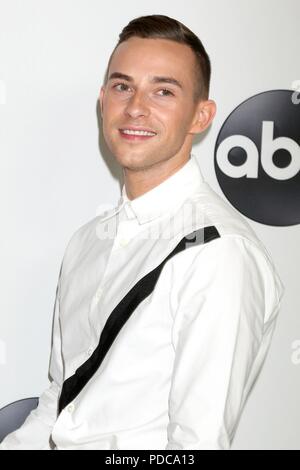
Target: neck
[{"x": 138, "y": 182}]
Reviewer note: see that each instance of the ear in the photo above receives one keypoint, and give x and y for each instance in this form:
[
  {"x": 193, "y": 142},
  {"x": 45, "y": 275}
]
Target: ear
[
  {"x": 204, "y": 114},
  {"x": 102, "y": 90}
]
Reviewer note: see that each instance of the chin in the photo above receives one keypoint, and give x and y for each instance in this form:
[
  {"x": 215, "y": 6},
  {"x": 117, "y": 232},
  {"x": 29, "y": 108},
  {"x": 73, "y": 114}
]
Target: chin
[{"x": 132, "y": 162}]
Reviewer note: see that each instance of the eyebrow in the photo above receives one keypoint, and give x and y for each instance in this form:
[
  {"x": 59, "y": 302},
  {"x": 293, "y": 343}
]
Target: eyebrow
[{"x": 156, "y": 79}]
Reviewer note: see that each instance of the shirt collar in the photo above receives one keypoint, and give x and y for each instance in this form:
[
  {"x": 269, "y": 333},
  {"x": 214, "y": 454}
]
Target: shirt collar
[{"x": 161, "y": 199}]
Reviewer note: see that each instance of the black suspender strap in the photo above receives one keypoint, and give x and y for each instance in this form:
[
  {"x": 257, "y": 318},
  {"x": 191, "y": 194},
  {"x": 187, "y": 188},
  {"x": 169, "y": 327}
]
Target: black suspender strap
[{"x": 142, "y": 289}]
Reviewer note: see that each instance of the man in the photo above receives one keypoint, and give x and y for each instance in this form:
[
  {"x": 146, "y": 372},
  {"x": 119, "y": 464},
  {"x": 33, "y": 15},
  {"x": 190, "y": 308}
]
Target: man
[{"x": 166, "y": 305}]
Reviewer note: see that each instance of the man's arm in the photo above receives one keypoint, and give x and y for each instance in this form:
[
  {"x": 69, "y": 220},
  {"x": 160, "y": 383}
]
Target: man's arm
[
  {"x": 36, "y": 431},
  {"x": 224, "y": 320}
]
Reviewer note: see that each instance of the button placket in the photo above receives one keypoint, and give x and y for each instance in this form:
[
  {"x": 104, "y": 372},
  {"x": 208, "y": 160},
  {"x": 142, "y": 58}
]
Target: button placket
[
  {"x": 99, "y": 293},
  {"x": 70, "y": 408},
  {"x": 96, "y": 297},
  {"x": 125, "y": 231},
  {"x": 123, "y": 241}
]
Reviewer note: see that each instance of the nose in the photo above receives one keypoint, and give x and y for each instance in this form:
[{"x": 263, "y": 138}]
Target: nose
[{"x": 137, "y": 106}]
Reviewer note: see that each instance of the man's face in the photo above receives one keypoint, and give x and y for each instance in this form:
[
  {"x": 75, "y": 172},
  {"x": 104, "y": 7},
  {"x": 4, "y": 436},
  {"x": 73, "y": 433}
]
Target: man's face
[{"x": 165, "y": 108}]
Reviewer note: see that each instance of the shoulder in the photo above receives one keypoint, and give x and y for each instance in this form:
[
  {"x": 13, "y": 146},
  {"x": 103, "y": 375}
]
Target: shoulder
[
  {"x": 211, "y": 224},
  {"x": 210, "y": 209}
]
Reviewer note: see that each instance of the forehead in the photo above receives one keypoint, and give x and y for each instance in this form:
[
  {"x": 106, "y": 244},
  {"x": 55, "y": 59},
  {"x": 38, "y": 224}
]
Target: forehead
[{"x": 142, "y": 56}]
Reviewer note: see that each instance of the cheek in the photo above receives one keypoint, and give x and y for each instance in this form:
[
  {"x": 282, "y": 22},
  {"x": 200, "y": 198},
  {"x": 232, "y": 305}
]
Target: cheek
[
  {"x": 111, "y": 105},
  {"x": 173, "y": 120}
]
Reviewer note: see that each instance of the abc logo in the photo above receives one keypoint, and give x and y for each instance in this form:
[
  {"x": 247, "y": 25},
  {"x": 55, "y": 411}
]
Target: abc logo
[{"x": 257, "y": 158}]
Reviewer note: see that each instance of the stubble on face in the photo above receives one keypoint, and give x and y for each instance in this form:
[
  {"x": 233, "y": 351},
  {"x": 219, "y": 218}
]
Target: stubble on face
[{"x": 143, "y": 104}]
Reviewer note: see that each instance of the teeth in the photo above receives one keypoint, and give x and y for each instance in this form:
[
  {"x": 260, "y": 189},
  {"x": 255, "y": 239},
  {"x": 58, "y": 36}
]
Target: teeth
[{"x": 130, "y": 132}]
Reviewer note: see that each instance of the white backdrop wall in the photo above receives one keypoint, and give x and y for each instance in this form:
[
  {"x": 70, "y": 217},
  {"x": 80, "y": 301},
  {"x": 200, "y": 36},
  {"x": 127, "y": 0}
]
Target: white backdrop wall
[{"x": 56, "y": 171}]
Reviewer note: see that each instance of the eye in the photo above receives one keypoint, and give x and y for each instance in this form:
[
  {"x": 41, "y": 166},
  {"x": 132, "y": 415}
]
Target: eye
[
  {"x": 124, "y": 87},
  {"x": 168, "y": 92},
  {"x": 122, "y": 84}
]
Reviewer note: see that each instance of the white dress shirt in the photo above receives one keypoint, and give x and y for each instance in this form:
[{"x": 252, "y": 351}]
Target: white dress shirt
[{"x": 179, "y": 371}]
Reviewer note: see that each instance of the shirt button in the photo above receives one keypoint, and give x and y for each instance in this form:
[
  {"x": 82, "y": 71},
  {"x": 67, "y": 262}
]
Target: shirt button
[
  {"x": 123, "y": 241},
  {"x": 70, "y": 408},
  {"x": 99, "y": 293},
  {"x": 89, "y": 351}
]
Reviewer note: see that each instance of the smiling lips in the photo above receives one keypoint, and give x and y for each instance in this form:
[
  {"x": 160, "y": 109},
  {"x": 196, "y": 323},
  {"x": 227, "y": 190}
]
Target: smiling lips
[{"x": 136, "y": 133}]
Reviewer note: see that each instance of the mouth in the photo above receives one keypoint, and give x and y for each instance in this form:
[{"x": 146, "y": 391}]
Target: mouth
[{"x": 136, "y": 134}]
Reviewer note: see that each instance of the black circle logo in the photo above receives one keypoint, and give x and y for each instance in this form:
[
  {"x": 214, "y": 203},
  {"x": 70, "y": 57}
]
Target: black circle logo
[{"x": 257, "y": 158}]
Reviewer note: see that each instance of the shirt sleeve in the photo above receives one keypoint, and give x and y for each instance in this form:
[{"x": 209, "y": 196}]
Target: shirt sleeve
[
  {"x": 35, "y": 433},
  {"x": 227, "y": 304}
]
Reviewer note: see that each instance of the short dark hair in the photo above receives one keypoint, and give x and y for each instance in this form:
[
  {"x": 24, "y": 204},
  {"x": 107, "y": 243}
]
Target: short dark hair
[{"x": 164, "y": 27}]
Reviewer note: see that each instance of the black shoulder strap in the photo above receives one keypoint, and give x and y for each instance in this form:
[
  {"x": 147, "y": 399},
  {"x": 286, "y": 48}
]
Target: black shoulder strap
[{"x": 74, "y": 384}]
